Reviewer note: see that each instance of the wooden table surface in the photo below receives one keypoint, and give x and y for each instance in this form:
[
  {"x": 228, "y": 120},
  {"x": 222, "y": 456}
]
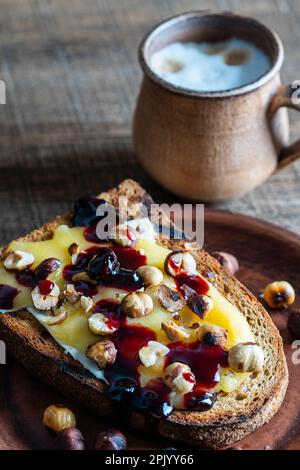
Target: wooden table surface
[{"x": 72, "y": 79}]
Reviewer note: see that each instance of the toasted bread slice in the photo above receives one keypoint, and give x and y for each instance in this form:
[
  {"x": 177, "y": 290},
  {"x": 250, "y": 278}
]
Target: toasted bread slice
[{"x": 232, "y": 417}]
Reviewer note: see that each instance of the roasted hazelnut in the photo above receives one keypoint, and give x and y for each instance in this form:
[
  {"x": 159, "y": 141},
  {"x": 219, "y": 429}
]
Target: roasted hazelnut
[
  {"x": 173, "y": 331},
  {"x": 58, "y": 417},
  {"x": 293, "y": 324},
  {"x": 179, "y": 377},
  {"x": 111, "y": 440},
  {"x": 201, "y": 305},
  {"x": 279, "y": 294},
  {"x": 152, "y": 276},
  {"x": 125, "y": 235},
  {"x": 43, "y": 301},
  {"x": 227, "y": 260},
  {"x": 74, "y": 251},
  {"x": 57, "y": 319},
  {"x": 69, "y": 439},
  {"x": 86, "y": 303},
  {"x": 99, "y": 324},
  {"x": 71, "y": 294},
  {"x": 170, "y": 299},
  {"x": 46, "y": 267},
  {"x": 212, "y": 335},
  {"x": 178, "y": 261},
  {"x": 18, "y": 260},
  {"x": 151, "y": 352},
  {"x": 103, "y": 353},
  {"x": 137, "y": 304},
  {"x": 246, "y": 357}
]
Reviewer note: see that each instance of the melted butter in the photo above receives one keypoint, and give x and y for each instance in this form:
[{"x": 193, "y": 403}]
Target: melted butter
[{"x": 74, "y": 335}]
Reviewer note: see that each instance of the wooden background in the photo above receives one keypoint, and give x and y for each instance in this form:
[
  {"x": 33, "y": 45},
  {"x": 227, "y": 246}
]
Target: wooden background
[{"x": 72, "y": 79}]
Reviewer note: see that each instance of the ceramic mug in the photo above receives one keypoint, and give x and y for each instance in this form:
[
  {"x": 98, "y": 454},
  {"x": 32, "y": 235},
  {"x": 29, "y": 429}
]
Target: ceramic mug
[{"x": 213, "y": 146}]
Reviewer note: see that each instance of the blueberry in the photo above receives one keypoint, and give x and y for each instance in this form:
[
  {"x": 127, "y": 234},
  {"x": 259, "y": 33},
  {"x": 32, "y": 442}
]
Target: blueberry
[
  {"x": 103, "y": 264},
  {"x": 85, "y": 211}
]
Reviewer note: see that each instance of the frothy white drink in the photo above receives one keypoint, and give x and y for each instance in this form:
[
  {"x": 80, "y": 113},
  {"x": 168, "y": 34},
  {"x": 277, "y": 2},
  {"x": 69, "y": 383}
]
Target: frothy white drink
[{"x": 210, "y": 66}]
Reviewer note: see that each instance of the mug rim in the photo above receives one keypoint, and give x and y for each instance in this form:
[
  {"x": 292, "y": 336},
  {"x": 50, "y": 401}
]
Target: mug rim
[{"x": 244, "y": 89}]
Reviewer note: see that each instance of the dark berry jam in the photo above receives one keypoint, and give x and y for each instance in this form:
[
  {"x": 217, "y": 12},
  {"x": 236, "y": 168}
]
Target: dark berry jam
[
  {"x": 191, "y": 284},
  {"x": 45, "y": 286},
  {"x": 205, "y": 362},
  {"x": 7, "y": 295},
  {"x": 85, "y": 210},
  {"x": 26, "y": 278},
  {"x": 129, "y": 258},
  {"x": 109, "y": 308},
  {"x": 199, "y": 401},
  {"x": 85, "y": 288},
  {"x": 127, "y": 280},
  {"x": 90, "y": 235},
  {"x": 123, "y": 376},
  {"x": 175, "y": 266},
  {"x": 103, "y": 264}
]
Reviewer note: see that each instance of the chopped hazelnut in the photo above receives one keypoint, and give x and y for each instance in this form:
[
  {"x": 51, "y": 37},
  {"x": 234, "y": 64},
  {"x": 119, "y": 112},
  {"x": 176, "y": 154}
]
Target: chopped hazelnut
[
  {"x": 71, "y": 294},
  {"x": 173, "y": 331},
  {"x": 212, "y": 335},
  {"x": 100, "y": 324},
  {"x": 74, "y": 251},
  {"x": 125, "y": 235},
  {"x": 151, "y": 352},
  {"x": 170, "y": 299},
  {"x": 179, "y": 377},
  {"x": 57, "y": 319},
  {"x": 200, "y": 304},
  {"x": 45, "y": 302},
  {"x": 178, "y": 261},
  {"x": 103, "y": 353},
  {"x": 18, "y": 260},
  {"x": 137, "y": 304},
  {"x": 246, "y": 357},
  {"x": 151, "y": 275},
  {"x": 87, "y": 303}
]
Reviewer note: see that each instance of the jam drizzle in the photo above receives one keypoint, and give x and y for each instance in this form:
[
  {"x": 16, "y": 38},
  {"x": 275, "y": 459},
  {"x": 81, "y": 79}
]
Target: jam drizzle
[
  {"x": 191, "y": 284},
  {"x": 110, "y": 267},
  {"x": 7, "y": 295},
  {"x": 45, "y": 286}
]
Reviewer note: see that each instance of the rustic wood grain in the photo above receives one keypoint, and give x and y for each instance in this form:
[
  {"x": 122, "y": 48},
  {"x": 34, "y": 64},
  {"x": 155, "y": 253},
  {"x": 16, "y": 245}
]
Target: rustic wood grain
[
  {"x": 265, "y": 253},
  {"x": 72, "y": 78}
]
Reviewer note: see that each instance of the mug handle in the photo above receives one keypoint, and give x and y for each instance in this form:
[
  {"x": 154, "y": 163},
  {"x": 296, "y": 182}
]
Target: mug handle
[{"x": 284, "y": 98}]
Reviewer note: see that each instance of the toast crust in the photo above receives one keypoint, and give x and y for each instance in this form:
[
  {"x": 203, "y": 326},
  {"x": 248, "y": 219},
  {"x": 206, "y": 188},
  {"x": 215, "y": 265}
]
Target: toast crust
[{"x": 229, "y": 420}]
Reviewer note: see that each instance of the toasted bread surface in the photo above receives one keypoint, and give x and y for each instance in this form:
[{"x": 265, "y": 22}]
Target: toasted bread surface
[{"x": 233, "y": 416}]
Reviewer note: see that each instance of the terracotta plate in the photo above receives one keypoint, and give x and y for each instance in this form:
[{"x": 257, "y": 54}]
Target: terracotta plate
[{"x": 265, "y": 253}]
